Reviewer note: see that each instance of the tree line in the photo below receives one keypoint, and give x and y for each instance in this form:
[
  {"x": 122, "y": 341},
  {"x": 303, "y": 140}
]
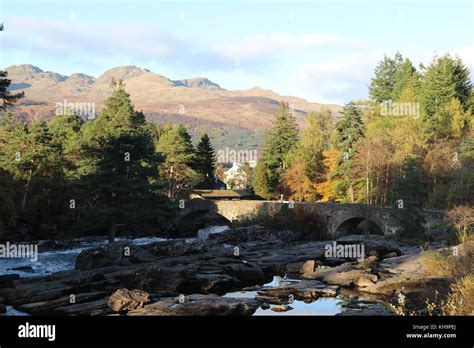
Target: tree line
[
  {"x": 410, "y": 143},
  {"x": 115, "y": 169}
]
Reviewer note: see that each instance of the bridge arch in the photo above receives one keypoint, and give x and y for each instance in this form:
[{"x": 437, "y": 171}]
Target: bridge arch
[
  {"x": 334, "y": 216},
  {"x": 358, "y": 225}
]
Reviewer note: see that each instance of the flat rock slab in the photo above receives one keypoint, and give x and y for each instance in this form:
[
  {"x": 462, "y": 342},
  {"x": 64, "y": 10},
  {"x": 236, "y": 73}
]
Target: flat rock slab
[
  {"x": 303, "y": 290},
  {"x": 60, "y": 305},
  {"x": 369, "y": 310},
  {"x": 200, "y": 305},
  {"x": 346, "y": 275}
]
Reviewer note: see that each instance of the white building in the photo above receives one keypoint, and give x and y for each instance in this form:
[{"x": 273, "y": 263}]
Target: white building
[{"x": 236, "y": 178}]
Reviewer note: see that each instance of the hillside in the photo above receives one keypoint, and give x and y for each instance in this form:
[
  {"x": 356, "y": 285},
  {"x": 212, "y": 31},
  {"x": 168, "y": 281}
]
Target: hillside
[{"x": 197, "y": 101}]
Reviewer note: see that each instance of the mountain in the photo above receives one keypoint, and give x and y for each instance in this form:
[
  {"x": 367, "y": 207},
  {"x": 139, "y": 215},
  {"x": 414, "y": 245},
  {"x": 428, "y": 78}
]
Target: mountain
[
  {"x": 233, "y": 116},
  {"x": 200, "y": 82}
]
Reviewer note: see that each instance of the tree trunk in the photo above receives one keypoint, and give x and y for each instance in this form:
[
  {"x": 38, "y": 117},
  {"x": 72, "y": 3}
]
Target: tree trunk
[
  {"x": 113, "y": 229},
  {"x": 25, "y": 195}
]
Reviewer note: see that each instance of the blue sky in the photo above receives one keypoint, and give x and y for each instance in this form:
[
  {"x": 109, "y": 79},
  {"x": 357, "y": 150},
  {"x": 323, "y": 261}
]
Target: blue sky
[{"x": 324, "y": 51}]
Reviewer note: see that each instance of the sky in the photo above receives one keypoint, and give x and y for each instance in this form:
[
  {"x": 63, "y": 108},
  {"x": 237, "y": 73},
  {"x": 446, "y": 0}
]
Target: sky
[{"x": 323, "y": 51}]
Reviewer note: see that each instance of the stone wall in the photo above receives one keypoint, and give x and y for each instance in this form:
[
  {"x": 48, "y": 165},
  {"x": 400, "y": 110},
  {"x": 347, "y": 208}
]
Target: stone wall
[{"x": 332, "y": 215}]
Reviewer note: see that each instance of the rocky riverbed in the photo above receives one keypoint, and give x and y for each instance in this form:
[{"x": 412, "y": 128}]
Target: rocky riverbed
[{"x": 240, "y": 271}]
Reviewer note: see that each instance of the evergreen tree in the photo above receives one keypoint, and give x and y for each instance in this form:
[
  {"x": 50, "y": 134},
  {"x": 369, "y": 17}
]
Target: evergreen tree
[
  {"x": 350, "y": 129},
  {"x": 261, "y": 182},
  {"x": 124, "y": 184},
  {"x": 408, "y": 186},
  {"x": 179, "y": 162},
  {"x": 33, "y": 160},
  {"x": 406, "y": 79},
  {"x": 8, "y": 99},
  {"x": 7, "y": 202},
  {"x": 7, "y": 183},
  {"x": 206, "y": 161},
  {"x": 445, "y": 79},
  {"x": 65, "y": 134},
  {"x": 382, "y": 84},
  {"x": 279, "y": 142}
]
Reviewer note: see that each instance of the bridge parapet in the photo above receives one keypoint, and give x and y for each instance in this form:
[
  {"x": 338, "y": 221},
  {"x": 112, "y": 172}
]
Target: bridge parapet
[{"x": 332, "y": 215}]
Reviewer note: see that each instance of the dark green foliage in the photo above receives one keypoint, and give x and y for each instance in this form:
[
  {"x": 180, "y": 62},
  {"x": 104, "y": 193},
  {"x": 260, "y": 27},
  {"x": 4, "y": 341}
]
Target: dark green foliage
[
  {"x": 8, "y": 99},
  {"x": 408, "y": 186},
  {"x": 123, "y": 185},
  {"x": 279, "y": 142},
  {"x": 445, "y": 79},
  {"x": 349, "y": 130},
  {"x": 7, "y": 202},
  {"x": 178, "y": 168},
  {"x": 382, "y": 84},
  {"x": 205, "y": 161}
]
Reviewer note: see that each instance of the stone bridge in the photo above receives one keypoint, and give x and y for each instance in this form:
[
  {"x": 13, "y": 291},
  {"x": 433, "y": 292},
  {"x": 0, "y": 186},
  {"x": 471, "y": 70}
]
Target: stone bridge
[{"x": 338, "y": 219}]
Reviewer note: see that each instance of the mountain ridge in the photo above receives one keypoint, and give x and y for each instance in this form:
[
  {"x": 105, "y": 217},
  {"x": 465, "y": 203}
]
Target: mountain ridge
[{"x": 202, "y": 101}]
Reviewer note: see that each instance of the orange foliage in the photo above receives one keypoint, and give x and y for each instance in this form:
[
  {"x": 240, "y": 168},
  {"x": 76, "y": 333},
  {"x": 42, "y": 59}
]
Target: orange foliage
[
  {"x": 328, "y": 186},
  {"x": 302, "y": 188}
]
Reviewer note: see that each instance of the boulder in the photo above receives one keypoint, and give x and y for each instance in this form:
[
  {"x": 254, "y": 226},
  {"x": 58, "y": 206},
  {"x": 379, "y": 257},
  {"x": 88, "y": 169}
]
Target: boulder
[
  {"x": 307, "y": 267},
  {"x": 124, "y": 299},
  {"x": 247, "y": 273},
  {"x": 123, "y": 254},
  {"x": 281, "y": 308},
  {"x": 345, "y": 275},
  {"x": 374, "y": 244}
]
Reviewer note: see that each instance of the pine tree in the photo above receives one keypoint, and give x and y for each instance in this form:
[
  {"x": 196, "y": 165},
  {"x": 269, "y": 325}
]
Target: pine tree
[
  {"x": 8, "y": 99},
  {"x": 124, "y": 183},
  {"x": 382, "y": 84},
  {"x": 406, "y": 79},
  {"x": 8, "y": 211},
  {"x": 260, "y": 181},
  {"x": 350, "y": 129},
  {"x": 32, "y": 159},
  {"x": 279, "y": 142},
  {"x": 179, "y": 162},
  {"x": 206, "y": 161},
  {"x": 445, "y": 79}
]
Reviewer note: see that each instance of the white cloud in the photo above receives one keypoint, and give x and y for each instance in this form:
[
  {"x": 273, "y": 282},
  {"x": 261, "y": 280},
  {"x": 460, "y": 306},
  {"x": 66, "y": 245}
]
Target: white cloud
[
  {"x": 260, "y": 46},
  {"x": 337, "y": 80},
  {"x": 96, "y": 41}
]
